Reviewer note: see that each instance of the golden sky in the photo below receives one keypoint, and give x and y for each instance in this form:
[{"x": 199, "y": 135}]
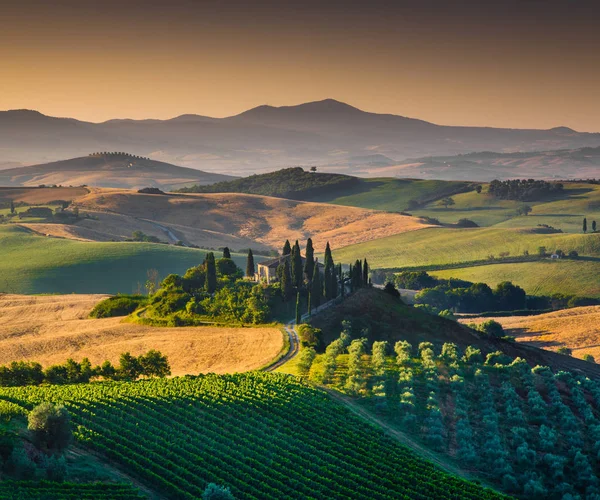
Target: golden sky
[{"x": 522, "y": 64}]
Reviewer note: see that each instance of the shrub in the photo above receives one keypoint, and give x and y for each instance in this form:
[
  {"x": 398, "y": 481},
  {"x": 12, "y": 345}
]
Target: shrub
[
  {"x": 309, "y": 336},
  {"x": 56, "y": 469},
  {"x": 216, "y": 492},
  {"x": 120, "y": 305},
  {"x": 589, "y": 358},
  {"x": 466, "y": 223},
  {"x": 565, "y": 351},
  {"x": 50, "y": 426},
  {"x": 491, "y": 328}
]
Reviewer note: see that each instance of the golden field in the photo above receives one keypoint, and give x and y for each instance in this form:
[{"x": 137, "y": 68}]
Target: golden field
[{"x": 50, "y": 329}]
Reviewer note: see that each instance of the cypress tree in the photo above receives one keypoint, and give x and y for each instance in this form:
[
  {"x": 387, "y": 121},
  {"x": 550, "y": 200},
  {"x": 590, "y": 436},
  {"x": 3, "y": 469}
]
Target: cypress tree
[
  {"x": 309, "y": 266},
  {"x": 594, "y": 226},
  {"x": 328, "y": 257},
  {"x": 584, "y": 225},
  {"x": 297, "y": 272},
  {"x": 309, "y": 303},
  {"x": 298, "y": 314},
  {"x": 365, "y": 273},
  {"x": 286, "y": 282},
  {"x": 287, "y": 249},
  {"x": 12, "y": 207},
  {"x": 226, "y": 253},
  {"x": 249, "y": 264},
  {"x": 342, "y": 284},
  {"x": 211, "y": 273},
  {"x": 316, "y": 289},
  {"x": 334, "y": 281},
  {"x": 329, "y": 275}
]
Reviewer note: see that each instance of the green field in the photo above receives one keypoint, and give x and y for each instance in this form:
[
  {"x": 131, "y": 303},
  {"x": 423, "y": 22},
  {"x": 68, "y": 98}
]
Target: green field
[
  {"x": 574, "y": 277},
  {"x": 34, "y": 264},
  {"x": 265, "y": 436},
  {"x": 447, "y": 245},
  {"x": 391, "y": 194}
]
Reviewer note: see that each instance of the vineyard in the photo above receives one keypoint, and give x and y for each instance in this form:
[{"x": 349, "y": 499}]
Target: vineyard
[
  {"x": 265, "y": 436},
  {"x": 49, "y": 490},
  {"x": 534, "y": 433}
]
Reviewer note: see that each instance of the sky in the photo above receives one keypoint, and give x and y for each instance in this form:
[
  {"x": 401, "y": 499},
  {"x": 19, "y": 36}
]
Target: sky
[{"x": 508, "y": 63}]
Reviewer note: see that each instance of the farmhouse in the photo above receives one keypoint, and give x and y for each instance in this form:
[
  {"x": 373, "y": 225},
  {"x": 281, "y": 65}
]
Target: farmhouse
[{"x": 267, "y": 270}]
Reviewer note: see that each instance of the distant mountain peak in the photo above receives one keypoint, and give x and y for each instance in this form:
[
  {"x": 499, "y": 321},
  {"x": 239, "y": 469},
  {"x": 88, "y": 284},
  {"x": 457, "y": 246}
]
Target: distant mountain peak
[{"x": 329, "y": 106}]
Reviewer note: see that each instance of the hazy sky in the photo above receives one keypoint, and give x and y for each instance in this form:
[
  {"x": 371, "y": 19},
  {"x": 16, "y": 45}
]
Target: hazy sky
[{"x": 513, "y": 63}]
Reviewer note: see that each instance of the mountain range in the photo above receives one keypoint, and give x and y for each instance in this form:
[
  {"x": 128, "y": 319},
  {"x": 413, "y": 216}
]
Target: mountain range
[{"x": 322, "y": 133}]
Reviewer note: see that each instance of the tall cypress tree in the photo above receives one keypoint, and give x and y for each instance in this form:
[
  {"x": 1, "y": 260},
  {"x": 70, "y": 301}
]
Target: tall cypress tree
[
  {"x": 309, "y": 266},
  {"x": 287, "y": 249},
  {"x": 341, "y": 278},
  {"x": 249, "y": 264},
  {"x": 298, "y": 313},
  {"x": 211, "y": 273},
  {"x": 328, "y": 257},
  {"x": 584, "y": 225},
  {"x": 297, "y": 272},
  {"x": 226, "y": 253},
  {"x": 329, "y": 275},
  {"x": 286, "y": 282},
  {"x": 316, "y": 289},
  {"x": 365, "y": 273}
]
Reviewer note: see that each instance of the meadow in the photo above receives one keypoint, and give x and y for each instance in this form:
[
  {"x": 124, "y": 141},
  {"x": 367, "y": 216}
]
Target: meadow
[
  {"x": 34, "y": 264},
  {"x": 546, "y": 277}
]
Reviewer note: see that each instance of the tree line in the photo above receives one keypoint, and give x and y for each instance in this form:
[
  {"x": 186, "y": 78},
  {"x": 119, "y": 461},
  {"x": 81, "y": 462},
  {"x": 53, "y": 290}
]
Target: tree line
[{"x": 524, "y": 189}]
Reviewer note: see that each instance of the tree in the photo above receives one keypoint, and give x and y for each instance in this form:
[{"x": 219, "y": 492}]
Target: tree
[
  {"x": 365, "y": 270},
  {"x": 227, "y": 267},
  {"x": 129, "y": 366},
  {"x": 584, "y": 225},
  {"x": 594, "y": 226},
  {"x": 524, "y": 210},
  {"x": 298, "y": 312},
  {"x": 316, "y": 290},
  {"x": 226, "y": 253},
  {"x": 309, "y": 266},
  {"x": 510, "y": 297},
  {"x": 565, "y": 351},
  {"x": 154, "y": 364},
  {"x": 478, "y": 188},
  {"x": 153, "y": 281},
  {"x": 50, "y": 426},
  {"x": 250, "y": 264},
  {"x": 313, "y": 169},
  {"x": 211, "y": 273},
  {"x": 215, "y": 492},
  {"x": 287, "y": 249},
  {"x": 390, "y": 289},
  {"x": 305, "y": 360},
  {"x": 12, "y": 207},
  {"x": 286, "y": 282},
  {"x": 589, "y": 358},
  {"x": 297, "y": 271},
  {"x": 329, "y": 275},
  {"x": 491, "y": 328},
  {"x": 447, "y": 202}
]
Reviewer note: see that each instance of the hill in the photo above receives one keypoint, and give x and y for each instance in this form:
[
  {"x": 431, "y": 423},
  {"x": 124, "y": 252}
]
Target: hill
[
  {"x": 63, "y": 330},
  {"x": 576, "y": 329},
  {"x": 118, "y": 170},
  {"x": 546, "y": 277},
  {"x": 236, "y": 220},
  {"x": 264, "y": 138},
  {"x": 263, "y": 435},
  {"x": 35, "y": 264},
  {"x": 577, "y": 163}
]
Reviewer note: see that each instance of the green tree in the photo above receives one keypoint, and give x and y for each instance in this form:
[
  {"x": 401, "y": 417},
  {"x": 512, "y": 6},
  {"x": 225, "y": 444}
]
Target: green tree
[
  {"x": 447, "y": 202},
  {"x": 211, "y": 273},
  {"x": 250, "y": 264},
  {"x": 478, "y": 188},
  {"x": 594, "y": 226},
  {"x": 584, "y": 225},
  {"x": 287, "y": 248},
  {"x": 50, "y": 427},
  {"x": 589, "y": 358},
  {"x": 129, "y": 367},
  {"x": 226, "y": 253},
  {"x": 12, "y": 207},
  {"x": 154, "y": 364},
  {"x": 316, "y": 290},
  {"x": 286, "y": 282},
  {"x": 227, "y": 267},
  {"x": 305, "y": 360},
  {"x": 524, "y": 210},
  {"x": 365, "y": 271},
  {"x": 297, "y": 271},
  {"x": 215, "y": 492},
  {"x": 309, "y": 265},
  {"x": 298, "y": 312}
]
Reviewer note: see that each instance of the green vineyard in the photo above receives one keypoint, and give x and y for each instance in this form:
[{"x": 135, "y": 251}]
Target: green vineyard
[
  {"x": 265, "y": 436},
  {"x": 47, "y": 490}
]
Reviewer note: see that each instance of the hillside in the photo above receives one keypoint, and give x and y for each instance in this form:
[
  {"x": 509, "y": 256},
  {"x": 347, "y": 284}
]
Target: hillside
[
  {"x": 34, "y": 264},
  {"x": 326, "y": 132},
  {"x": 63, "y": 330},
  {"x": 578, "y": 163},
  {"x": 236, "y": 220},
  {"x": 262, "y": 435},
  {"x": 115, "y": 170},
  {"x": 576, "y": 329}
]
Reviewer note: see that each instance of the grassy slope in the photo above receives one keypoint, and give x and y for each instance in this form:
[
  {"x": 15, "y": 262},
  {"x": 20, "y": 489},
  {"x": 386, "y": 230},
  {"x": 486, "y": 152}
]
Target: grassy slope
[
  {"x": 578, "y": 277},
  {"x": 445, "y": 245},
  {"x": 35, "y": 264}
]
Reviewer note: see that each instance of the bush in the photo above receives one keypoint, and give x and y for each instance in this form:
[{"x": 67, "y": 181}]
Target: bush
[
  {"x": 120, "y": 305},
  {"x": 56, "y": 469},
  {"x": 565, "y": 351},
  {"x": 589, "y": 358},
  {"x": 216, "y": 492},
  {"x": 491, "y": 328},
  {"x": 309, "y": 336},
  {"x": 50, "y": 426},
  {"x": 466, "y": 223}
]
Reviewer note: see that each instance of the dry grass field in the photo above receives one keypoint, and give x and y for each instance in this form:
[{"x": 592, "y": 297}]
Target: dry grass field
[
  {"x": 238, "y": 220},
  {"x": 577, "y": 329},
  {"x": 40, "y": 196},
  {"x": 50, "y": 329}
]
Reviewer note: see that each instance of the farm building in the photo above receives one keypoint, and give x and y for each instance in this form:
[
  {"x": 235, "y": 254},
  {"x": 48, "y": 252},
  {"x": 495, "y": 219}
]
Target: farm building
[{"x": 267, "y": 270}]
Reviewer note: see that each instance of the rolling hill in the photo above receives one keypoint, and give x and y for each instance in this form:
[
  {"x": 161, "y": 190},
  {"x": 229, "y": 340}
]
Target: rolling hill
[
  {"x": 108, "y": 170},
  {"x": 326, "y": 132}
]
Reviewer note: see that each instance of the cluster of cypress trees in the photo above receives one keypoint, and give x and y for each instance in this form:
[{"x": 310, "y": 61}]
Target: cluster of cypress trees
[{"x": 359, "y": 275}]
